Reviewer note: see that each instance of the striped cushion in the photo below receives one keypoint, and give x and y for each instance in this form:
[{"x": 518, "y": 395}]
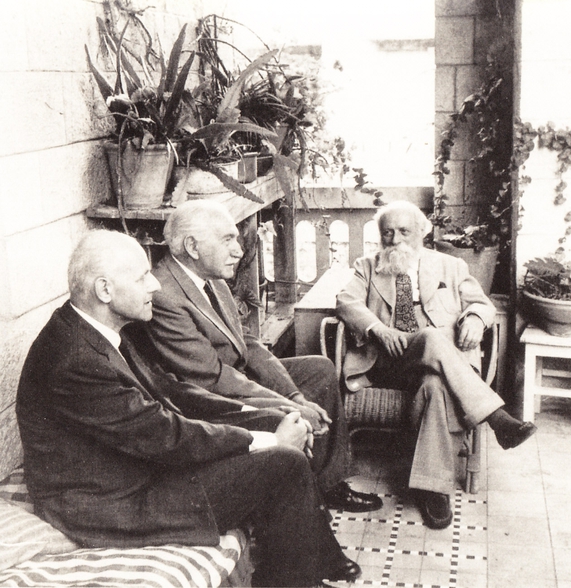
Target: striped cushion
[
  {"x": 14, "y": 489},
  {"x": 168, "y": 566},
  {"x": 24, "y": 535},
  {"x": 35, "y": 554}
]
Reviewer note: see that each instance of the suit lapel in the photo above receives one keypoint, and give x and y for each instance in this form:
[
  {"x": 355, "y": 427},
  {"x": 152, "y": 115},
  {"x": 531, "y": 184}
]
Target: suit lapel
[
  {"x": 199, "y": 301},
  {"x": 98, "y": 342},
  {"x": 428, "y": 279},
  {"x": 384, "y": 284}
]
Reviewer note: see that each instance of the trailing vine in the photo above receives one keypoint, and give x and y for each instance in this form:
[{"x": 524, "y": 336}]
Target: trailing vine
[
  {"x": 488, "y": 108},
  {"x": 556, "y": 140}
]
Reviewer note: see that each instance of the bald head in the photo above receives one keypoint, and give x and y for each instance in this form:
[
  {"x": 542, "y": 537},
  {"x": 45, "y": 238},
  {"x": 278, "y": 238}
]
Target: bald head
[
  {"x": 109, "y": 278},
  {"x": 99, "y": 253},
  {"x": 403, "y": 207},
  {"x": 402, "y": 227}
]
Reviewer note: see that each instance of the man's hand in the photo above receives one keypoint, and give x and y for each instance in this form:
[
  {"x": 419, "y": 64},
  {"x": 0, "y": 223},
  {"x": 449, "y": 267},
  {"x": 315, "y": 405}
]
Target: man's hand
[
  {"x": 315, "y": 414},
  {"x": 393, "y": 340},
  {"x": 294, "y": 431},
  {"x": 470, "y": 332}
]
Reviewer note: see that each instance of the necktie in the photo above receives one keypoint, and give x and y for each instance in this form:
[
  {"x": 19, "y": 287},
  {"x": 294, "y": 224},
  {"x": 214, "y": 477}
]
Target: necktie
[
  {"x": 213, "y": 300},
  {"x": 405, "y": 318}
]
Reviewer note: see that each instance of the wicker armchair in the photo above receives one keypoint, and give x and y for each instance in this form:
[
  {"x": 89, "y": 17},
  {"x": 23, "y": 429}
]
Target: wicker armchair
[{"x": 384, "y": 409}]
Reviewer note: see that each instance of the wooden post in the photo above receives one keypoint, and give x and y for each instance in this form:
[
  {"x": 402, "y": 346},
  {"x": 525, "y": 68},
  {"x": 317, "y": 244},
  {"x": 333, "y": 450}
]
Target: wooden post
[{"x": 285, "y": 273}]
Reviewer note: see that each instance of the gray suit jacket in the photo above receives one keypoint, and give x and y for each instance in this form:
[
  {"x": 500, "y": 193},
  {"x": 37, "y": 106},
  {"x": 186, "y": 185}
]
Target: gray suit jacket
[
  {"x": 199, "y": 346},
  {"x": 447, "y": 294}
]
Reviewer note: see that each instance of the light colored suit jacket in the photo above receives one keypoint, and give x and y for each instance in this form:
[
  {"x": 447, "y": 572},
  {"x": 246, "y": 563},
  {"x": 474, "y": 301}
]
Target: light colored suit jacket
[
  {"x": 447, "y": 294},
  {"x": 199, "y": 346}
]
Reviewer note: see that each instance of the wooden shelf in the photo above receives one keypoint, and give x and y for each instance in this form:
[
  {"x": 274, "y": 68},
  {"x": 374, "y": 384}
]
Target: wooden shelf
[{"x": 265, "y": 187}]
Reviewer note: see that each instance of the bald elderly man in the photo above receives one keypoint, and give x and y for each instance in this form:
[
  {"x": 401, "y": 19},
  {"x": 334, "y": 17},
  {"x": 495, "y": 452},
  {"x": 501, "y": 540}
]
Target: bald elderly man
[
  {"x": 197, "y": 333},
  {"x": 416, "y": 319},
  {"x": 117, "y": 454}
]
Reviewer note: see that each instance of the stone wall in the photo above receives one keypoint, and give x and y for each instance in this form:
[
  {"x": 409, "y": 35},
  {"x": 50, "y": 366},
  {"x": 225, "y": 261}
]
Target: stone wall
[
  {"x": 51, "y": 162},
  {"x": 467, "y": 33}
]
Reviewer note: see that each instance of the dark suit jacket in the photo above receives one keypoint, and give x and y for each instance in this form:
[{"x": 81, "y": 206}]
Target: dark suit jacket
[
  {"x": 108, "y": 458},
  {"x": 447, "y": 294},
  {"x": 199, "y": 346}
]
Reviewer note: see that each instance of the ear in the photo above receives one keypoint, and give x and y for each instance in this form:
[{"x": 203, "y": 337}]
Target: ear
[
  {"x": 191, "y": 248},
  {"x": 103, "y": 290}
]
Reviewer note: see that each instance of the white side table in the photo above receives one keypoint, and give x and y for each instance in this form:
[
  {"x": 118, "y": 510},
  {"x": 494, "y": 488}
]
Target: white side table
[{"x": 539, "y": 344}]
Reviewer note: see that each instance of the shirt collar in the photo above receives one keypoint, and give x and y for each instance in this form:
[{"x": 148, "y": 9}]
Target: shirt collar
[
  {"x": 112, "y": 336},
  {"x": 198, "y": 281}
]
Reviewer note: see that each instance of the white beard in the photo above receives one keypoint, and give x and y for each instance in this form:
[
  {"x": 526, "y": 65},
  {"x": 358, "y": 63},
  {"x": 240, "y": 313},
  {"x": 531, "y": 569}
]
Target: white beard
[{"x": 397, "y": 259}]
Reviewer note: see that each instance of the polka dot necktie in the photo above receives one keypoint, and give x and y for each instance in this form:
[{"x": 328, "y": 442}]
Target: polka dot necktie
[{"x": 405, "y": 318}]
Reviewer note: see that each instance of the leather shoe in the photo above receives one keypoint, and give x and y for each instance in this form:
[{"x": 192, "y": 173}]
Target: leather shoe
[
  {"x": 348, "y": 571},
  {"x": 343, "y": 497},
  {"x": 512, "y": 438},
  {"x": 435, "y": 509}
]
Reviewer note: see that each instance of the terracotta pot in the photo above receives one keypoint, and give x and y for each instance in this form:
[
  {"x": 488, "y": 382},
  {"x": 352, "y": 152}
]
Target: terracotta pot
[
  {"x": 192, "y": 180},
  {"x": 265, "y": 163},
  {"x": 144, "y": 174},
  {"x": 553, "y": 316},
  {"x": 482, "y": 264},
  {"x": 248, "y": 167}
]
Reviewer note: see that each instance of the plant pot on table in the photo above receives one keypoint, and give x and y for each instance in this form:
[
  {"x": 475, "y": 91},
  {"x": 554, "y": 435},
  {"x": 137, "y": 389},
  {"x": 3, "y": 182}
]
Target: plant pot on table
[
  {"x": 191, "y": 181},
  {"x": 144, "y": 173},
  {"x": 248, "y": 167},
  {"x": 265, "y": 164},
  {"x": 481, "y": 264},
  {"x": 553, "y": 316}
]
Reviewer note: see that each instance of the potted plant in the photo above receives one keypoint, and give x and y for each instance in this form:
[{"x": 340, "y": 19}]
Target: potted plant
[
  {"x": 479, "y": 240},
  {"x": 142, "y": 150},
  {"x": 211, "y": 119},
  {"x": 547, "y": 290}
]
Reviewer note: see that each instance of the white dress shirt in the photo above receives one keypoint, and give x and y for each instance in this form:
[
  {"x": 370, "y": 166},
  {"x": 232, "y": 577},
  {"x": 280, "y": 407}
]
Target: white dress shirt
[{"x": 112, "y": 336}]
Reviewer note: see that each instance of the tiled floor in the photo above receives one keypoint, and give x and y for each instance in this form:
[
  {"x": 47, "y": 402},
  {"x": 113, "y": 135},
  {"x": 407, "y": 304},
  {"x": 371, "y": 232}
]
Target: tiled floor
[{"x": 515, "y": 533}]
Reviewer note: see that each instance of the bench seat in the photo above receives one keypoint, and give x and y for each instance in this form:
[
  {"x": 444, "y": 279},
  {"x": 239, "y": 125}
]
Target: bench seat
[{"x": 35, "y": 554}]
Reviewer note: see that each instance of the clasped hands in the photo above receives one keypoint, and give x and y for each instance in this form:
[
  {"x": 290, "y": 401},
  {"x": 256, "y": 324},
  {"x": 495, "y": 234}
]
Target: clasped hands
[
  {"x": 469, "y": 335},
  {"x": 302, "y": 423}
]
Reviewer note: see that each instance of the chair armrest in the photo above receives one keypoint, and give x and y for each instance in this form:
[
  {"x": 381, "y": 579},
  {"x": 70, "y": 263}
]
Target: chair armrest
[{"x": 339, "y": 352}]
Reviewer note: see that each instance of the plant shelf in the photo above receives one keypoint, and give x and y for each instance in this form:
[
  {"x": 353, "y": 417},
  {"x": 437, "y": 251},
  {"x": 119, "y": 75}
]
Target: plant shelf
[{"x": 266, "y": 188}]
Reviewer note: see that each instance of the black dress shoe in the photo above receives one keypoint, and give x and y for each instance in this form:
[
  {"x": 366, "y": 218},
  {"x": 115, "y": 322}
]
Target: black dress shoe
[
  {"x": 435, "y": 509},
  {"x": 348, "y": 571},
  {"x": 512, "y": 438},
  {"x": 342, "y": 497}
]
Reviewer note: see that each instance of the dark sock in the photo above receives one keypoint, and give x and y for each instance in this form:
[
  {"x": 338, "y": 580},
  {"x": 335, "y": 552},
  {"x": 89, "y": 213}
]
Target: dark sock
[{"x": 500, "y": 420}]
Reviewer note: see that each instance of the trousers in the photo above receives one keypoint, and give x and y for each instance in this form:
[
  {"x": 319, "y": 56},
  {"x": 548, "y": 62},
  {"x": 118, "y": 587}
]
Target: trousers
[
  {"x": 274, "y": 489},
  {"x": 316, "y": 379},
  {"x": 447, "y": 397}
]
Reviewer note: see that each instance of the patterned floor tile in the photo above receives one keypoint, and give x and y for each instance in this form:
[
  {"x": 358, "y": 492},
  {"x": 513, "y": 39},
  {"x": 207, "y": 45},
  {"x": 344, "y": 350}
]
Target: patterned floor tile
[{"x": 508, "y": 535}]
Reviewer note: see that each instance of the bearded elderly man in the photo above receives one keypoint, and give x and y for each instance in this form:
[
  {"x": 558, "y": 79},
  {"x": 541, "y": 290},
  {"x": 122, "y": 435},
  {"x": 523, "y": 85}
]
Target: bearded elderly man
[
  {"x": 118, "y": 454},
  {"x": 197, "y": 333},
  {"x": 417, "y": 318}
]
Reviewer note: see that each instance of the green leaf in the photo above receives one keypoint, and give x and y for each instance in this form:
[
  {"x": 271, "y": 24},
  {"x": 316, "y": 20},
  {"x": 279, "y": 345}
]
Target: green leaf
[
  {"x": 104, "y": 86},
  {"x": 231, "y": 97},
  {"x": 175, "y": 99},
  {"x": 172, "y": 66},
  {"x": 233, "y": 184},
  {"x": 218, "y": 134}
]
